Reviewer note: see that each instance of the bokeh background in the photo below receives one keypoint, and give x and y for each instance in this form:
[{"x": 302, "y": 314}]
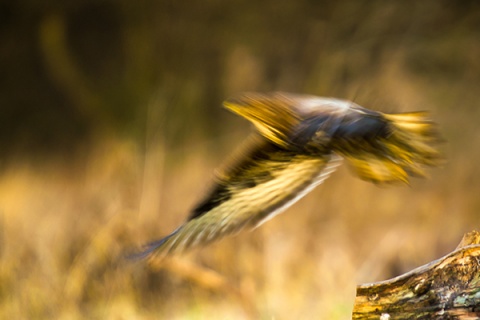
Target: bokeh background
[{"x": 111, "y": 126}]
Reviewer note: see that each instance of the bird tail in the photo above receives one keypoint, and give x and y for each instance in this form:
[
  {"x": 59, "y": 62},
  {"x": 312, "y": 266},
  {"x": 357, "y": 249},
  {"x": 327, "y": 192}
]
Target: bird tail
[{"x": 406, "y": 147}]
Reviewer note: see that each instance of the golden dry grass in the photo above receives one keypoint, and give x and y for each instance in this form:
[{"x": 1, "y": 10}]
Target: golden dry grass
[{"x": 65, "y": 227}]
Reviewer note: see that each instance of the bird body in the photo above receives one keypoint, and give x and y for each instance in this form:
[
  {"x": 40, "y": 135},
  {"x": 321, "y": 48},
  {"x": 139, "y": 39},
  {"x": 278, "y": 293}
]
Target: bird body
[{"x": 298, "y": 142}]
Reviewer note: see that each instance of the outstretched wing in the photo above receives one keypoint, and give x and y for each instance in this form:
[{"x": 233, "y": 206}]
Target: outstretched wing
[
  {"x": 279, "y": 116},
  {"x": 262, "y": 183}
]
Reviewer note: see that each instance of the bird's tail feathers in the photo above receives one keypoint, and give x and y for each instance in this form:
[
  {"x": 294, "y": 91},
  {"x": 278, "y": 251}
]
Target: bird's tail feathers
[{"x": 409, "y": 146}]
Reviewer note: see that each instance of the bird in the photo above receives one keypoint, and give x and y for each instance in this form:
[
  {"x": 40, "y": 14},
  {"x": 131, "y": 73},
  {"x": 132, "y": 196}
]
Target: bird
[{"x": 297, "y": 142}]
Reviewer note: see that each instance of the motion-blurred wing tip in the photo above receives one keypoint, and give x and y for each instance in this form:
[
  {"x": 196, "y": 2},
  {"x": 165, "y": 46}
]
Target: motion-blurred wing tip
[
  {"x": 231, "y": 101},
  {"x": 149, "y": 248}
]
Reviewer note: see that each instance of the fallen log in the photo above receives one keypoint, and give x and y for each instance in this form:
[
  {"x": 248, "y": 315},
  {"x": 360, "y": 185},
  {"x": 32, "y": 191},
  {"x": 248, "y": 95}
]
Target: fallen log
[{"x": 448, "y": 288}]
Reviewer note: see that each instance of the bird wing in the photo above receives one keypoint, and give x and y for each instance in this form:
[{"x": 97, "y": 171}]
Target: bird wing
[
  {"x": 272, "y": 114},
  {"x": 282, "y": 118},
  {"x": 263, "y": 182}
]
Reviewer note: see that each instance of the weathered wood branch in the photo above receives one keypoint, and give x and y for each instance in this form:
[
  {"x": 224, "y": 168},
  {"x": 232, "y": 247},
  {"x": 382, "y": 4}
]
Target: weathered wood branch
[{"x": 448, "y": 288}]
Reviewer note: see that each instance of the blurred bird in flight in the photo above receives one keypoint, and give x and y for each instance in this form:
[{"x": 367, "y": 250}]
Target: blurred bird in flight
[{"x": 298, "y": 142}]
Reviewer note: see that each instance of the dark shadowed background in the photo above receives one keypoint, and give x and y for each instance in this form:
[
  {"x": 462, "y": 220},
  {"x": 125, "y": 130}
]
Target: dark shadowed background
[{"x": 111, "y": 126}]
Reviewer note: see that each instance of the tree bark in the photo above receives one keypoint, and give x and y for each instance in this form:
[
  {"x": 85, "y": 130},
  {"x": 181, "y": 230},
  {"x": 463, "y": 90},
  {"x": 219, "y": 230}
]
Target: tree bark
[{"x": 448, "y": 288}]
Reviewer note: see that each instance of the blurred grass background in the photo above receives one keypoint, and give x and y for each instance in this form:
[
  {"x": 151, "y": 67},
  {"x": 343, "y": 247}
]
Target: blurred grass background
[{"x": 111, "y": 125}]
